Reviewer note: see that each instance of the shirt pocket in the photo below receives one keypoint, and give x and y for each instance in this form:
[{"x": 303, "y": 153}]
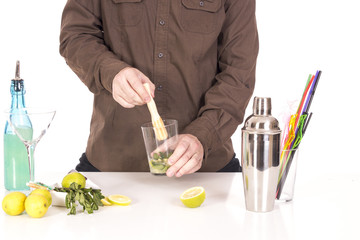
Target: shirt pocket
[
  {"x": 127, "y": 12},
  {"x": 200, "y": 16}
]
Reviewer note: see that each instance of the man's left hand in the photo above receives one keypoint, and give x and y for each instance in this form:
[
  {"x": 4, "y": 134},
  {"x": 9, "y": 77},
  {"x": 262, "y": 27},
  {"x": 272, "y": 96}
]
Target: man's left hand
[{"x": 187, "y": 157}]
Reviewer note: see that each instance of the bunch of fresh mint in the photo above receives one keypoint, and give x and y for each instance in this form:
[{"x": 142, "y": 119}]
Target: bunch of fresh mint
[{"x": 89, "y": 198}]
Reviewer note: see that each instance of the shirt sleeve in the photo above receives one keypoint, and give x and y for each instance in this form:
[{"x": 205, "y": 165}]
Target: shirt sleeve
[
  {"x": 227, "y": 99},
  {"x": 82, "y": 45}
]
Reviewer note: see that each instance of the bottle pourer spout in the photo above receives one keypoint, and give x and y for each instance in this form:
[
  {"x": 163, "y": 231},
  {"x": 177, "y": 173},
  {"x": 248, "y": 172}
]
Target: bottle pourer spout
[
  {"x": 18, "y": 82},
  {"x": 17, "y": 71}
]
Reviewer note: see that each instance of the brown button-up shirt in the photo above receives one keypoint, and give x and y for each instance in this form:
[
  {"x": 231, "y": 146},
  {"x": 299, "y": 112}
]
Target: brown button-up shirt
[{"x": 200, "y": 54}]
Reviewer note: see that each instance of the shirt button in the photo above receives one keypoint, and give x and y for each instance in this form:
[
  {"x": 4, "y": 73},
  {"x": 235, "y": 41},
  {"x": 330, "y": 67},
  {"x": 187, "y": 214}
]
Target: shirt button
[
  {"x": 159, "y": 88},
  {"x": 201, "y": 3},
  {"x": 160, "y": 55},
  {"x": 162, "y": 22}
]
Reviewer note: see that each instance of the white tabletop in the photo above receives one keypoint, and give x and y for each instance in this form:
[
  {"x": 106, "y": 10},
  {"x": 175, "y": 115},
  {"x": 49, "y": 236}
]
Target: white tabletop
[{"x": 325, "y": 208}]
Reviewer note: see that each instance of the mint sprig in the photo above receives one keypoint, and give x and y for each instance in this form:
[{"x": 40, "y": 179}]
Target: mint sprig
[{"x": 89, "y": 198}]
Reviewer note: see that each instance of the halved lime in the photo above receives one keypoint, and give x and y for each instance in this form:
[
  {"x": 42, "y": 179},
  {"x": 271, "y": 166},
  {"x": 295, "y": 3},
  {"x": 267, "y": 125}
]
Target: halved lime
[
  {"x": 119, "y": 199},
  {"x": 193, "y": 197}
]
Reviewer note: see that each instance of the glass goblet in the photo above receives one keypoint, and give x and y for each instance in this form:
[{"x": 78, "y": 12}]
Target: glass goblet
[{"x": 30, "y": 125}]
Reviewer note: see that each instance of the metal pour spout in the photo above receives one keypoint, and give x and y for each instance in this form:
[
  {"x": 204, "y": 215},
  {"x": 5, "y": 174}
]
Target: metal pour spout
[
  {"x": 18, "y": 82},
  {"x": 17, "y": 71}
]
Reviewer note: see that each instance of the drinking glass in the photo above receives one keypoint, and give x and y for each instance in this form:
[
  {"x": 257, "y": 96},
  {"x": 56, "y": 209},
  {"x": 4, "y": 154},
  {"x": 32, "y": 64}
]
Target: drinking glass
[
  {"x": 159, "y": 151},
  {"x": 287, "y": 176}
]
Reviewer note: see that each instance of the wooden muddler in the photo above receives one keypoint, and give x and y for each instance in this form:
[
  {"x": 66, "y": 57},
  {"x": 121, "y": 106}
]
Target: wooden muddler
[{"x": 157, "y": 122}]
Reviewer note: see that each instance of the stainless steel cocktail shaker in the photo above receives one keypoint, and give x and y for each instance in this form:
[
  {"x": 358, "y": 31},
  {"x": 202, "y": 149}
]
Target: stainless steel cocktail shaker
[{"x": 260, "y": 157}]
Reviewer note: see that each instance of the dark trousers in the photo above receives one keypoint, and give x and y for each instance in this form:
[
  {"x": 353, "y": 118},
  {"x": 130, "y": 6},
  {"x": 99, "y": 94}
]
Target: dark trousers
[{"x": 85, "y": 166}]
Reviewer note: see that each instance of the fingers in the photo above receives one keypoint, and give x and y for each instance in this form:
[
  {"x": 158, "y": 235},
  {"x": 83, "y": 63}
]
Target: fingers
[
  {"x": 122, "y": 102},
  {"x": 137, "y": 86},
  {"x": 168, "y": 144},
  {"x": 128, "y": 89},
  {"x": 190, "y": 166},
  {"x": 187, "y": 157}
]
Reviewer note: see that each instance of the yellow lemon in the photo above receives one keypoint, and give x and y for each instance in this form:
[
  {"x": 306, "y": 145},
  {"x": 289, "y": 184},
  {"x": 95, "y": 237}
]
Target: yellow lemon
[
  {"x": 13, "y": 203},
  {"x": 106, "y": 201},
  {"x": 73, "y": 177},
  {"x": 119, "y": 199},
  {"x": 36, "y": 205},
  {"x": 45, "y": 193},
  {"x": 193, "y": 197}
]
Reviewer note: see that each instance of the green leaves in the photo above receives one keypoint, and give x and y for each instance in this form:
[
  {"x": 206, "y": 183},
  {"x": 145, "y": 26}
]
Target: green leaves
[{"x": 89, "y": 198}]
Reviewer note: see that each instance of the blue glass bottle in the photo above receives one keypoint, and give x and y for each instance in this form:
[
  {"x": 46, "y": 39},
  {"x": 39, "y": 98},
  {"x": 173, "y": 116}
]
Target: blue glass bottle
[{"x": 16, "y": 165}]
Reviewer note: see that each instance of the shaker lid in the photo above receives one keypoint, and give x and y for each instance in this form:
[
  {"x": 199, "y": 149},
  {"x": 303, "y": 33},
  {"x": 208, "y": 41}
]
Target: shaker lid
[{"x": 261, "y": 121}]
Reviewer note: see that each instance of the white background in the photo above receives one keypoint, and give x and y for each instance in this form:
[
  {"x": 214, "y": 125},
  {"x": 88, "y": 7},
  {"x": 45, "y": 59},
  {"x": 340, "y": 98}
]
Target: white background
[{"x": 296, "y": 39}]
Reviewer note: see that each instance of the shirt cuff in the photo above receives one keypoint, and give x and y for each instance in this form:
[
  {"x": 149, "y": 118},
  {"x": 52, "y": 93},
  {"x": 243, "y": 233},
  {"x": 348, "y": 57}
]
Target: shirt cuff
[
  {"x": 108, "y": 70},
  {"x": 204, "y": 131}
]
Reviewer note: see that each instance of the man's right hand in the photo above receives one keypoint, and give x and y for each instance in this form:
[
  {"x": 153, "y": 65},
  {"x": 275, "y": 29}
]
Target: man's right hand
[{"x": 128, "y": 89}]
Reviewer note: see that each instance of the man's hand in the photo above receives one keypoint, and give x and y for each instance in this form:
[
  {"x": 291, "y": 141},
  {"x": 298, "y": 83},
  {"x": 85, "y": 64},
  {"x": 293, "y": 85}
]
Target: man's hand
[
  {"x": 187, "y": 157},
  {"x": 128, "y": 89}
]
